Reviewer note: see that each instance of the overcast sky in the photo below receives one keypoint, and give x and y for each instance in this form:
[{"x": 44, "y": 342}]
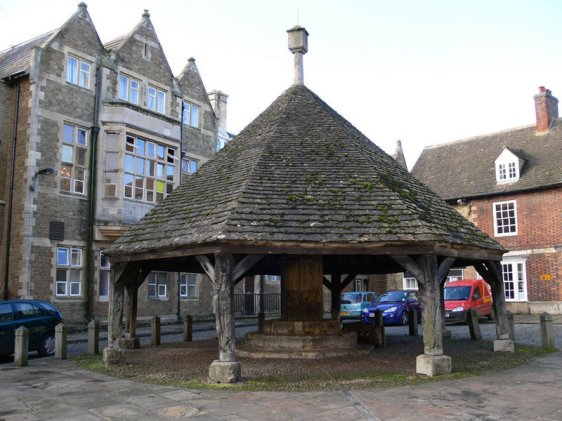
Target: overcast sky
[{"x": 425, "y": 72}]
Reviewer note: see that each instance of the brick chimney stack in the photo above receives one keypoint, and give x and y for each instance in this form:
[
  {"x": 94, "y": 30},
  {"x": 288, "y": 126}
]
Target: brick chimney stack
[{"x": 546, "y": 108}]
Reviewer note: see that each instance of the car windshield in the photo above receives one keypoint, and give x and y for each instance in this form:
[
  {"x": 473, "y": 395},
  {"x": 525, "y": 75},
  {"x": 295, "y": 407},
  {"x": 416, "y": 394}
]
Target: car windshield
[
  {"x": 393, "y": 296},
  {"x": 457, "y": 293},
  {"x": 349, "y": 298}
]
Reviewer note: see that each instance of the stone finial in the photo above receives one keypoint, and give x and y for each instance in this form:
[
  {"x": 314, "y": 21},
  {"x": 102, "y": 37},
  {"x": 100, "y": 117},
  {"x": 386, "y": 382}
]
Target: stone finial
[
  {"x": 146, "y": 15},
  {"x": 298, "y": 45},
  {"x": 191, "y": 59},
  {"x": 82, "y": 5}
]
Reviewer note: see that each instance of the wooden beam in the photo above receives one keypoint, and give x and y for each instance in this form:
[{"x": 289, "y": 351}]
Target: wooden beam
[
  {"x": 443, "y": 269},
  {"x": 410, "y": 265},
  {"x": 327, "y": 283},
  {"x": 207, "y": 266},
  {"x": 347, "y": 280},
  {"x": 244, "y": 266}
]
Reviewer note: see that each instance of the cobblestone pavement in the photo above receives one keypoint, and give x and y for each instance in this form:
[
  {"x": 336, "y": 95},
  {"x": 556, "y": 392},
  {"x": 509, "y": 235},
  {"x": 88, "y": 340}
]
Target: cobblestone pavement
[{"x": 54, "y": 389}]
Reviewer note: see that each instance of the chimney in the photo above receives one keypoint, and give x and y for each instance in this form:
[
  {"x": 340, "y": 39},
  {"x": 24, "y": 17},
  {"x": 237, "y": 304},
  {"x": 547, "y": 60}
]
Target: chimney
[
  {"x": 218, "y": 101},
  {"x": 546, "y": 108},
  {"x": 298, "y": 45}
]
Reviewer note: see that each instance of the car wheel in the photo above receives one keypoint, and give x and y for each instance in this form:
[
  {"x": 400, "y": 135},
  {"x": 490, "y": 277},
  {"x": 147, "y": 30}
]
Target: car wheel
[
  {"x": 47, "y": 346},
  {"x": 404, "y": 318}
]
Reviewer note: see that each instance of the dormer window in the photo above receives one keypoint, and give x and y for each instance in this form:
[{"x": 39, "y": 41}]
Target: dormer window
[{"x": 508, "y": 167}]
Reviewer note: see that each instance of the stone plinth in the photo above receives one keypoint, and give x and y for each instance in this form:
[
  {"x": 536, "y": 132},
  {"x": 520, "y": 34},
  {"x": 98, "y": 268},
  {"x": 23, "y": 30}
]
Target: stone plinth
[
  {"x": 433, "y": 365},
  {"x": 224, "y": 371},
  {"x": 130, "y": 343},
  {"x": 504, "y": 345},
  {"x": 113, "y": 356},
  {"x": 299, "y": 339}
]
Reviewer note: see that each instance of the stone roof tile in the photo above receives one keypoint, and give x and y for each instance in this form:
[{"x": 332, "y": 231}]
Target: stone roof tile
[{"x": 300, "y": 172}]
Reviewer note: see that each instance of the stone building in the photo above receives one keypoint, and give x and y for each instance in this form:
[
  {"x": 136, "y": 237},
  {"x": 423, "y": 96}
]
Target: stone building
[
  {"x": 509, "y": 184},
  {"x": 92, "y": 137}
]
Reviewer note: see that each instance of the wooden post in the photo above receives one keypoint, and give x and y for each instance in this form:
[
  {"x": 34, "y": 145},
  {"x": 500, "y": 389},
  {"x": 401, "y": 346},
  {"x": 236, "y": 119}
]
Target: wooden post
[
  {"x": 131, "y": 341},
  {"x": 335, "y": 295},
  {"x": 491, "y": 271},
  {"x": 430, "y": 274},
  {"x": 445, "y": 332},
  {"x": 188, "y": 328},
  {"x": 21, "y": 346},
  {"x": 261, "y": 320},
  {"x": 473, "y": 324},
  {"x": 60, "y": 341},
  {"x": 413, "y": 322},
  {"x": 155, "y": 330},
  {"x": 93, "y": 337},
  {"x": 378, "y": 330},
  {"x": 226, "y": 369},
  {"x": 112, "y": 354},
  {"x": 547, "y": 339}
]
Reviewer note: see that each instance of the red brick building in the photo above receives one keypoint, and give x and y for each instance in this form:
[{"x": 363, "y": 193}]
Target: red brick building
[{"x": 509, "y": 184}]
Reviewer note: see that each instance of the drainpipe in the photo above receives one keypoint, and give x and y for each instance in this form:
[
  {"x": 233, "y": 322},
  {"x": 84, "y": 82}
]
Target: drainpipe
[
  {"x": 10, "y": 206},
  {"x": 90, "y": 275},
  {"x": 178, "y": 311}
]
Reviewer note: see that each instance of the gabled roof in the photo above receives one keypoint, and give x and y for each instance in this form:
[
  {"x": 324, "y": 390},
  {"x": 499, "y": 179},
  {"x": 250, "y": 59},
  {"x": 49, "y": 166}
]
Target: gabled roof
[
  {"x": 465, "y": 169},
  {"x": 298, "y": 176},
  {"x": 115, "y": 43},
  {"x": 17, "y": 58}
]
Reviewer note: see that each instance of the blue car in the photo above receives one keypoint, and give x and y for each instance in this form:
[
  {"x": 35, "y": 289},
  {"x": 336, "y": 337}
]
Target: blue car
[
  {"x": 39, "y": 317},
  {"x": 395, "y": 307},
  {"x": 353, "y": 303}
]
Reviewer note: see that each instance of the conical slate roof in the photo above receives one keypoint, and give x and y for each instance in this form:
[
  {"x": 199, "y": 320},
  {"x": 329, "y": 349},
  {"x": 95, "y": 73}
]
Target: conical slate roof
[{"x": 301, "y": 177}]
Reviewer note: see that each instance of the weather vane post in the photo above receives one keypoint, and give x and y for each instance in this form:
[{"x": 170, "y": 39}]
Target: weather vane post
[{"x": 298, "y": 45}]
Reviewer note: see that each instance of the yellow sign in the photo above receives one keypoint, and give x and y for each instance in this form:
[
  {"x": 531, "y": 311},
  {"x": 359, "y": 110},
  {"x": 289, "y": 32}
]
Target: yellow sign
[{"x": 545, "y": 277}]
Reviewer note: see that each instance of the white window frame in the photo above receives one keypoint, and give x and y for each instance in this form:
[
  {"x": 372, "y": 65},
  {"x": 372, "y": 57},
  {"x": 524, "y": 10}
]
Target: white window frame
[
  {"x": 128, "y": 89},
  {"x": 410, "y": 283},
  {"x": 514, "y": 277},
  {"x": 188, "y": 286},
  {"x": 455, "y": 274},
  {"x": 78, "y": 74},
  {"x": 104, "y": 276},
  {"x": 149, "y": 170},
  {"x": 507, "y": 167},
  {"x": 156, "y": 99},
  {"x": 191, "y": 114},
  {"x": 157, "y": 285},
  {"x": 505, "y": 207},
  {"x": 72, "y": 172},
  {"x": 72, "y": 264},
  {"x": 189, "y": 165}
]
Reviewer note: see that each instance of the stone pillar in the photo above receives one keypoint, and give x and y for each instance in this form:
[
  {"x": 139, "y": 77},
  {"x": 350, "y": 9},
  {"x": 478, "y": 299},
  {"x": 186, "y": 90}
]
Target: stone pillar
[
  {"x": 155, "y": 331},
  {"x": 473, "y": 325},
  {"x": 93, "y": 337},
  {"x": 21, "y": 346},
  {"x": 60, "y": 341},
  {"x": 302, "y": 292},
  {"x": 547, "y": 339},
  {"x": 188, "y": 328},
  {"x": 226, "y": 369}
]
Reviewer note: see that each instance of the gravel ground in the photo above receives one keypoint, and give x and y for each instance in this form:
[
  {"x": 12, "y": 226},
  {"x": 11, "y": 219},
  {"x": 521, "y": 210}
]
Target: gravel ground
[{"x": 186, "y": 364}]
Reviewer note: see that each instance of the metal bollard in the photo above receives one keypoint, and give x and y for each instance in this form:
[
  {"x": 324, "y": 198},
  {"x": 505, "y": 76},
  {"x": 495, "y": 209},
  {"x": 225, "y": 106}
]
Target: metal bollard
[
  {"x": 261, "y": 319},
  {"x": 93, "y": 337},
  {"x": 413, "y": 322},
  {"x": 155, "y": 331},
  {"x": 60, "y": 341},
  {"x": 188, "y": 328},
  {"x": 21, "y": 346},
  {"x": 547, "y": 339},
  {"x": 473, "y": 324}
]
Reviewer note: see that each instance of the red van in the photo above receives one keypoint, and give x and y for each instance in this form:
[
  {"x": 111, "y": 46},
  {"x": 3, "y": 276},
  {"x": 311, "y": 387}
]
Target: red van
[{"x": 461, "y": 296}]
